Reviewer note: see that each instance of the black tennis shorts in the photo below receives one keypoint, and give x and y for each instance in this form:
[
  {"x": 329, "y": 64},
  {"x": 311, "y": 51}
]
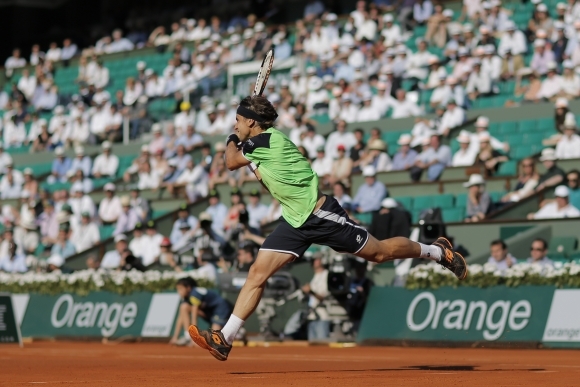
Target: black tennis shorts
[{"x": 329, "y": 226}]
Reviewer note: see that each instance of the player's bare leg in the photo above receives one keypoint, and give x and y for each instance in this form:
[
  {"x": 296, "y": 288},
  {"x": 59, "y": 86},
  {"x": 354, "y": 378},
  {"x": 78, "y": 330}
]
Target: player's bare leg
[
  {"x": 219, "y": 343},
  {"x": 441, "y": 251}
]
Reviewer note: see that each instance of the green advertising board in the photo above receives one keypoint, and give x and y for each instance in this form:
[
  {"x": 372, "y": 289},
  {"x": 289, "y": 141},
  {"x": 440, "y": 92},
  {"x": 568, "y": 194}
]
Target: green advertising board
[
  {"x": 496, "y": 314},
  {"x": 9, "y": 329}
]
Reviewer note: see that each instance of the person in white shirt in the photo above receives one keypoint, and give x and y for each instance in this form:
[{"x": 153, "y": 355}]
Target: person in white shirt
[
  {"x": 298, "y": 86},
  {"x": 478, "y": 83},
  {"x": 80, "y": 202},
  {"x": 69, "y": 50},
  {"x": 367, "y": 29},
  {"x": 568, "y": 146},
  {"x": 368, "y": 112},
  {"x": 465, "y": 155},
  {"x": 119, "y": 43},
  {"x": 53, "y": 53},
  {"x": 99, "y": 121},
  {"x": 257, "y": 211},
  {"x": 405, "y": 107},
  {"x": 570, "y": 81},
  {"x": 453, "y": 117},
  {"x": 27, "y": 84},
  {"x": 322, "y": 165},
  {"x": 552, "y": 85},
  {"x": 441, "y": 94},
  {"x": 377, "y": 156},
  {"x": 339, "y": 136},
  {"x": 86, "y": 234},
  {"x": 133, "y": 91},
  {"x": 500, "y": 257},
  {"x": 184, "y": 118},
  {"x": 110, "y": 207},
  {"x": 80, "y": 131},
  {"x": 148, "y": 177},
  {"x": 317, "y": 96},
  {"x": 481, "y": 125},
  {"x": 436, "y": 71},
  {"x": 14, "y": 133},
  {"x": 112, "y": 259},
  {"x": 221, "y": 125},
  {"x": 15, "y": 61},
  {"x": 150, "y": 244},
  {"x": 5, "y": 159},
  {"x": 512, "y": 40},
  {"x": 560, "y": 208},
  {"x": 10, "y": 186},
  {"x": 391, "y": 32},
  {"x": 101, "y": 76},
  {"x": 195, "y": 180},
  {"x": 382, "y": 101},
  {"x": 422, "y": 10},
  {"x": 490, "y": 63},
  {"x": 348, "y": 110},
  {"x": 106, "y": 164},
  {"x": 312, "y": 141},
  {"x": 418, "y": 62}
]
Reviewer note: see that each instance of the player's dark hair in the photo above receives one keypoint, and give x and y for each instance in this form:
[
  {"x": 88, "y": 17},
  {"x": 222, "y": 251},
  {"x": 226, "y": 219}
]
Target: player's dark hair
[
  {"x": 498, "y": 242},
  {"x": 188, "y": 282},
  {"x": 261, "y": 106}
]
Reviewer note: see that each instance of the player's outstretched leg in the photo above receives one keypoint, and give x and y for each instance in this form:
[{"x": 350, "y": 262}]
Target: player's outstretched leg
[
  {"x": 219, "y": 342},
  {"x": 441, "y": 251}
]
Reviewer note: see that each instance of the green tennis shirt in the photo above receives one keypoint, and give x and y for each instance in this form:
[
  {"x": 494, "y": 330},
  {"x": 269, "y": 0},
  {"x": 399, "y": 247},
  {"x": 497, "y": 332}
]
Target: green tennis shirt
[{"x": 285, "y": 173}]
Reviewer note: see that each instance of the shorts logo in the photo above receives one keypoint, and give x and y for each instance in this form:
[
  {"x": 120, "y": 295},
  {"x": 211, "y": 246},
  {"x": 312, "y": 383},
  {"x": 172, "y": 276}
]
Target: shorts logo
[{"x": 358, "y": 239}]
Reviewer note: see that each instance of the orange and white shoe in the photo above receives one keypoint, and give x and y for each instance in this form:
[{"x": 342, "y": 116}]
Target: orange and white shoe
[
  {"x": 451, "y": 259},
  {"x": 211, "y": 340}
]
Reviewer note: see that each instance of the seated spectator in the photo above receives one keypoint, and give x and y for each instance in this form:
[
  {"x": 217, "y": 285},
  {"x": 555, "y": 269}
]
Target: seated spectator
[
  {"x": 217, "y": 211},
  {"x": 510, "y": 65},
  {"x": 542, "y": 57},
  {"x": 81, "y": 202},
  {"x": 405, "y": 107},
  {"x": 60, "y": 167},
  {"x": 171, "y": 175},
  {"x": 453, "y": 117},
  {"x": 148, "y": 177},
  {"x": 478, "y": 200},
  {"x": 81, "y": 161},
  {"x": 390, "y": 221},
  {"x": 570, "y": 81},
  {"x": 190, "y": 139},
  {"x": 466, "y": 154},
  {"x": 377, "y": 156},
  {"x": 538, "y": 253},
  {"x": 13, "y": 262},
  {"x": 141, "y": 205},
  {"x": 513, "y": 41},
  {"x": 112, "y": 259},
  {"x": 500, "y": 256},
  {"x": 339, "y": 193},
  {"x": 434, "y": 159},
  {"x": 341, "y": 168},
  {"x": 128, "y": 217},
  {"x": 481, "y": 126},
  {"x": 14, "y": 133},
  {"x": 369, "y": 195},
  {"x": 11, "y": 183},
  {"x": 405, "y": 157},
  {"x": 574, "y": 187},
  {"x": 317, "y": 289},
  {"x": 441, "y": 94},
  {"x": 195, "y": 180},
  {"x": 166, "y": 256},
  {"x": 368, "y": 112},
  {"x": 5, "y": 158},
  {"x": 568, "y": 146},
  {"x": 488, "y": 157},
  {"x": 553, "y": 175},
  {"x": 531, "y": 87},
  {"x": 110, "y": 208},
  {"x": 181, "y": 157},
  {"x": 86, "y": 234},
  {"x": 63, "y": 245},
  {"x": 422, "y": 10},
  {"x": 183, "y": 216},
  {"x": 322, "y": 166},
  {"x": 48, "y": 223},
  {"x": 528, "y": 179},
  {"x": 311, "y": 141},
  {"x": 560, "y": 208},
  {"x": 219, "y": 174},
  {"x": 479, "y": 82},
  {"x": 552, "y": 85},
  {"x": 437, "y": 27},
  {"x": 150, "y": 244},
  {"x": 257, "y": 211},
  {"x": 30, "y": 185}
]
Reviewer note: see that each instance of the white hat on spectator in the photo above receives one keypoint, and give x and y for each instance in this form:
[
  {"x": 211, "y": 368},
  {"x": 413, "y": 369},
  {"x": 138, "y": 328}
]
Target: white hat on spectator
[
  {"x": 468, "y": 27},
  {"x": 149, "y": 72},
  {"x": 433, "y": 59},
  {"x": 484, "y": 136},
  {"x": 259, "y": 27},
  {"x": 55, "y": 260},
  {"x": 248, "y": 33},
  {"x": 536, "y": 2},
  {"x": 62, "y": 217},
  {"x": 389, "y": 203},
  {"x": 76, "y": 187},
  {"x": 476, "y": 62},
  {"x": 110, "y": 187},
  {"x": 484, "y": 29},
  {"x": 98, "y": 99},
  {"x": 495, "y": 3},
  {"x": 42, "y": 122},
  {"x": 190, "y": 22},
  {"x": 474, "y": 179},
  {"x": 567, "y": 64},
  {"x": 235, "y": 100},
  {"x": 489, "y": 49},
  {"x": 463, "y": 138},
  {"x": 561, "y": 103},
  {"x": 276, "y": 40},
  {"x": 144, "y": 148},
  {"x": 426, "y": 140},
  {"x": 377, "y": 144},
  {"x": 205, "y": 216},
  {"x": 125, "y": 201},
  {"x": 226, "y": 43},
  {"x": 210, "y": 109},
  {"x": 221, "y": 107},
  {"x": 455, "y": 30},
  {"x": 295, "y": 72},
  {"x": 314, "y": 83},
  {"x": 401, "y": 50},
  {"x": 463, "y": 51},
  {"x": 369, "y": 171},
  {"x": 156, "y": 128},
  {"x": 328, "y": 78},
  {"x": 559, "y": 25},
  {"x": 120, "y": 237},
  {"x": 482, "y": 122},
  {"x": 274, "y": 98},
  {"x": 561, "y": 6},
  {"x": 448, "y": 12},
  {"x": 390, "y": 52},
  {"x": 215, "y": 37},
  {"x": 358, "y": 76},
  {"x": 172, "y": 163},
  {"x": 552, "y": 66},
  {"x": 451, "y": 81},
  {"x": 347, "y": 40},
  {"x": 510, "y": 25},
  {"x": 562, "y": 191},
  {"x": 59, "y": 109},
  {"x": 184, "y": 67},
  {"x": 141, "y": 65},
  {"x": 106, "y": 145},
  {"x": 331, "y": 17},
  {"x": 59, "y": 151},
  {"x": 367, "y": 96},
  {"x": 548, "y": 154},
  {"x": 387, "y": 69},
  {"x": 310, "y": 70},
  {"x": 388, "y": 18},
  {"x": 346, "y": 97},
  {"x": 542, "y": 8},
  {"x": 235, "y": 39},
  {"x": 27, "y": 171},
  {"x": 570, "y": 121},
  {"x": 404, "y": 139},
  {"x": 486, "y": 5},
  {"x": 79, "y": 150},
  {"x": 214, "y": 57}
]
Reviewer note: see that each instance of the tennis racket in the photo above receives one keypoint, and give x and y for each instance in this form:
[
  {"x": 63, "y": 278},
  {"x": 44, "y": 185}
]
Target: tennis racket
[{"x": 264, "y": 73}]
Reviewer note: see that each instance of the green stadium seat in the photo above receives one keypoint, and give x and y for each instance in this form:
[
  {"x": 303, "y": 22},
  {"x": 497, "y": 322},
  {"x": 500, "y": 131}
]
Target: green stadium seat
[
  {"x": 496, "y": 196},
  {"x": 422, "y": 202},
  {"x": 444, "y": 201},
  {"x": 509, "y": 168},
  {"x": 461, "y": 200},
  {"x": 451, "y": 215},
  {"x": 527, "y": 126},
  {"x": 545, "y": 123},
  {"x": 562, "y": 245},
  {"x": 535, "y": 138},
  {"x": 405, "y": 201},
  {"x": 365, "y": 217},
  {"x": 509, "y": 127},
  {"x": 106, "y": 231}
]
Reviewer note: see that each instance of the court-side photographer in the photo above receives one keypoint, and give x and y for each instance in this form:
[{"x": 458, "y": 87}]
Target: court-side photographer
[
  {"x": 360, "y": 288},
  {"x": 317, "y": 291}
]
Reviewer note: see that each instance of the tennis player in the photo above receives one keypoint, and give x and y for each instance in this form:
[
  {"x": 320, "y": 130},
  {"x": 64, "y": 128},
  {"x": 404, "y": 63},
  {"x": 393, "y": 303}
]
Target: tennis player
[{"x": 308, "y": 216}]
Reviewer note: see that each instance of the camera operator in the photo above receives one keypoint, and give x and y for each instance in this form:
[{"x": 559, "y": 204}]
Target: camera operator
[
  {"x": 317, "y": 290},
  {"x": 360, "y": 287}
]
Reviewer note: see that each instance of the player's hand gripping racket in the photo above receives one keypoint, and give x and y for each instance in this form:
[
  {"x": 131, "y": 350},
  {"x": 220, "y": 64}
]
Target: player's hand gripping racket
[{"x": 264, "y": 73}]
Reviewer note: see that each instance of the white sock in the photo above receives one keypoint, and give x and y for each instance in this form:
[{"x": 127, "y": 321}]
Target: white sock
[
  {"x": 230, "y": 330},
  {"x": 431, "y": 252}
]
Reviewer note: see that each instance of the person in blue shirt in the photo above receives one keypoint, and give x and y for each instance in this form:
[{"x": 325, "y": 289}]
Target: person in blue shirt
[
  {"x": 405, "y": 157},
  {"x": 199, "y": 302},
  {"x": 369, "y": 195},
  {"x": 60, "y": 167},
  {"x": 63, "y": 245},
  {"x": 81, "y": 161},
  {"x": 13, "y": 262},
  {"x": 182, "y": 216}
]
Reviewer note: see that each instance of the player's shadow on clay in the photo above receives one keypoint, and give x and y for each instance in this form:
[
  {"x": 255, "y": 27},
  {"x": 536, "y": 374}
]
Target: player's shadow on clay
[{"x": 409, "y": 368}]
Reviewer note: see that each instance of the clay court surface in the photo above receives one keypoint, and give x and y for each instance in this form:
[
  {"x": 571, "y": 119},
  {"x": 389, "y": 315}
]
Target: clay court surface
[{"x": 156, "y": 364}]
